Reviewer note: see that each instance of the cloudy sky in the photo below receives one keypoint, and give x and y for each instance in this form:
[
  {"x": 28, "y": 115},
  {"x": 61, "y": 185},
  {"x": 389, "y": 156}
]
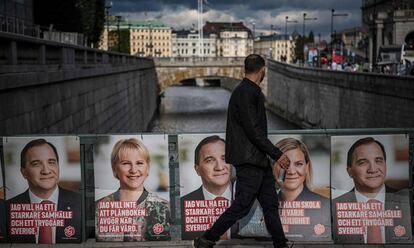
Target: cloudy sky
[{"x": 264, "y": 13}]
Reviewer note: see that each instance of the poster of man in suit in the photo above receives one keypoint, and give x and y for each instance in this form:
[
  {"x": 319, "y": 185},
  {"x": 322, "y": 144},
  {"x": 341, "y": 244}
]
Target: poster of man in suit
[
  {"x": 2, "y": 208},
  {"x": 370, "y": 191},
  {"x": 206, "y": 182},
  {"x": 42, "y": 178}
]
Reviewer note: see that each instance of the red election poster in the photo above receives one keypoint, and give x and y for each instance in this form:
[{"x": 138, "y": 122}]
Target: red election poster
[
  {"x": 42, "y": 178},
  {"x": 370, "y": 189},
  {"x": 131, "y": 188},
  {"x": 206, "y": 181},
  {"x": 2, "y": 208},
  {"x": 304, "y": 205}
]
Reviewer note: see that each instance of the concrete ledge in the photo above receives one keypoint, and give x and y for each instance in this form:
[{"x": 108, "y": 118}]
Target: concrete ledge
[{"x": 234, "y": 243}]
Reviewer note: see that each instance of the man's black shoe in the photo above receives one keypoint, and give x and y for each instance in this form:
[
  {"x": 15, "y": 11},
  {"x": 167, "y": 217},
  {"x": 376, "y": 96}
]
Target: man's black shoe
[
  {"x": 284, "y": 245},
  {"x": 201, "y": 242}
]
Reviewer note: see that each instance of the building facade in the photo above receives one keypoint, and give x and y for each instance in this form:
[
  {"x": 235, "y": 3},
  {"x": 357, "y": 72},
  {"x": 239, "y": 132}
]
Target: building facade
[
  {"x": 276, "y": 47},
  {"x": 233, "y": 38},
  {"x": 16, "y": 16},
  {"x": 389, "y": 22},
  {"x": 185, "y": 43},
  {"x": 146, "y": 38}
]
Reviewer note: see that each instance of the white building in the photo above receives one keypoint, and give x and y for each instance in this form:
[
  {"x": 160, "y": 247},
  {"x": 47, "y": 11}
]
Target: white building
[
  {"x": 275, "y": 47},
  {"x": 185, "y": 43},
  {"x": 233, "y": 39}
]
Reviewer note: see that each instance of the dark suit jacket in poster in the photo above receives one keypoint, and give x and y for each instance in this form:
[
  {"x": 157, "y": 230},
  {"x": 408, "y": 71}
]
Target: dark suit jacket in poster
[
  {"x": 195, "y": 195},
  {"x": 2, "y": 220},
  {"x": 68, "y": 200},
  {"x": 393, "y": 200}
]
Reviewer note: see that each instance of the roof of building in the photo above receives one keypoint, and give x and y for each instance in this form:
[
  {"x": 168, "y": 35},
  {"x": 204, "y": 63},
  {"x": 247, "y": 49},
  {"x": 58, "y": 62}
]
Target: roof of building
[
  {"x": 273, "y": 37},
  {"x": 147, "y": 24},
  {"x": 217, "y": 27},
  {"x": 183, "y": 33}
]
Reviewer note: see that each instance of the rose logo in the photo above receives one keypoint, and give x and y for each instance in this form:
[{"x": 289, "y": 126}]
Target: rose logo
[
  {"x": 69, "y": 231},
  {"x": 158, "y": 228},
  {"x": 319, "y": 229},
  {"x": 399, "y": 231}
]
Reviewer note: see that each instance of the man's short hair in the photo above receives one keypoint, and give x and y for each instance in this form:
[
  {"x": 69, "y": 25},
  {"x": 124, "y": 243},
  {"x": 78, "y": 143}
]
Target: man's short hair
[
  {"x": 253, "y": 63},
  {"x": 205, "y": 141},
  {"x": 33, "y": 143},
  {"x": 360, "y": 142}
]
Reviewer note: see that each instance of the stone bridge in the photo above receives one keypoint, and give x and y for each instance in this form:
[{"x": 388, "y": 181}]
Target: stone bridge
[{"x": 171, "y": 71}]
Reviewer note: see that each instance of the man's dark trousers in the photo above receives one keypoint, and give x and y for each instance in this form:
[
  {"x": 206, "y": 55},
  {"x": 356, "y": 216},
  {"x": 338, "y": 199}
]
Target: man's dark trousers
[{"x": 252, "y": 182}]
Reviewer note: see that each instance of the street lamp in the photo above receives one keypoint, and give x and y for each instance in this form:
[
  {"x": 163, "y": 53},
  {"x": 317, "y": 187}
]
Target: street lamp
[
  {"x": 332, "y": 20},
  {"x": 303, "y": 32},
  {"x": 118, "y": 20},
  {"x": 107, "y": 7},
  {"x": 254, "y": 29},
  {"x": 286, "y": 22}
]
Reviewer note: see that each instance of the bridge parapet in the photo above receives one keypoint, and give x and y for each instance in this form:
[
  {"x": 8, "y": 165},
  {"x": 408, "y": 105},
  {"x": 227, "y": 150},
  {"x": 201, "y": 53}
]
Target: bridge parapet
[
  {"x": 50, "y": 87},
  {"x": 318, "y": 98},
  {"x": 199, "y": 61}
]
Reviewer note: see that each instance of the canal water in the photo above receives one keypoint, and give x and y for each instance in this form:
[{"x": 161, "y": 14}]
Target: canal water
[{"x": 201, "y": 109}]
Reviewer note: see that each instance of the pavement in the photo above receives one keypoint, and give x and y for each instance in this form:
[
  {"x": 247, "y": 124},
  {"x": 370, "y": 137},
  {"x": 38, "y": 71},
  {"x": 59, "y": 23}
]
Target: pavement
[{"x": 234, "y": 243}]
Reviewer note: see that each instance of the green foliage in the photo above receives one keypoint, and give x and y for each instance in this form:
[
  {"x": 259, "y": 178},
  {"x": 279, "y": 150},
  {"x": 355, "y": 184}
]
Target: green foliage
[
  {"x": 92, "y": 18},
  {"x": 121, "y": 44}
]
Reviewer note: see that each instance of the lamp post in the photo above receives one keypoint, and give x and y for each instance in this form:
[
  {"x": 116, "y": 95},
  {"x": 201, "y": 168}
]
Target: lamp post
[
  {"x": 332, "y": 21},
  {"x": 254, "y": 29},
  {"x": 303, "y": 32},
  {"x": 332, "y": 29},
  {"x": 286, "y": 22},
  {"x": 118, "y": 20},
  {"x": 107, "y": 8}
]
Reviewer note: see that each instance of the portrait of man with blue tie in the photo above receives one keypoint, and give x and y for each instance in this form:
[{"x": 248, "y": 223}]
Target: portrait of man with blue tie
[{"x": 56, "y": 211}]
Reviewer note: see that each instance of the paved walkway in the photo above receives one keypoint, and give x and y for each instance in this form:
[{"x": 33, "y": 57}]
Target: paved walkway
[{"x": 235, "y": 243}]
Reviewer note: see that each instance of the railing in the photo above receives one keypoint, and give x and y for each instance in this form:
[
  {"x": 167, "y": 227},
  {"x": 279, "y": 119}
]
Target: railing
[
  {"x": 19, "y": 53},
  {"x": 404, "y": 13},
  {"x": 199, "y": 61}
]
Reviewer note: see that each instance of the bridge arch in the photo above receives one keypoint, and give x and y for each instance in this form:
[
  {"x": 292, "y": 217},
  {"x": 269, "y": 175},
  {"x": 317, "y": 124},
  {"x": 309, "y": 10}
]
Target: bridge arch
[
  {"x": 409, "y": 38},
  {"x": 170, "y": 72}
]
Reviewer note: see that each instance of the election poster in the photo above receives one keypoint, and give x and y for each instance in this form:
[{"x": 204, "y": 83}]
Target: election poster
[
  {"x": 3, "y": 230},
  {"x": 206, "y": 182},
  {"x": 304, "y": 195},
  {"x": 370, "y": 189},
  {"x": 132, "y": 188},
  {"x": 42, "y": 179}
]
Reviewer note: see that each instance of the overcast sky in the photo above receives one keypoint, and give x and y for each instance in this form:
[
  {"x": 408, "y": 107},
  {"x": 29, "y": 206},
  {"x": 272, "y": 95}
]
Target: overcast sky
[{"x": 264, "y": 13}]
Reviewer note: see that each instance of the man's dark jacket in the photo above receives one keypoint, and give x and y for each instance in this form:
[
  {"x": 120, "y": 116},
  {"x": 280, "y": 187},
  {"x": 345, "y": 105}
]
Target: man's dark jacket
[
  {"x": 68, "y": 201},
  {"x": 246, "y": 132}
]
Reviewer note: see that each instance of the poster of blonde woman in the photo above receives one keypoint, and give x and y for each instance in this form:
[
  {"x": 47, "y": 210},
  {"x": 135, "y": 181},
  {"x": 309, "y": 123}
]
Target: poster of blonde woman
[
  {"x": 304, "y": 196},
  {"x": 132, "y": 188},
  {"x": 42, "y": 178},
  {"x": 370, "y": 189}
]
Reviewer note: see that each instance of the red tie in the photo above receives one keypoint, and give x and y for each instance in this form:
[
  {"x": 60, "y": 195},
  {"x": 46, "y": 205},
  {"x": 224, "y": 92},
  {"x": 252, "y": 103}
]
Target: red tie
[
  {"x": 374, "y": 232},
  {"x": 45, "y": 232}
]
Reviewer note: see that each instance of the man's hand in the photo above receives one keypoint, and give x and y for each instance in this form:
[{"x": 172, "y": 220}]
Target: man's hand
[{"x": 284, "y": 162}]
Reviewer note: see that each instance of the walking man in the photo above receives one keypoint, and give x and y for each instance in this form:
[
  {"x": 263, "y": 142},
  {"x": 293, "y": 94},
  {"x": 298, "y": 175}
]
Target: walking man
[{"x": 249, "y": 149}]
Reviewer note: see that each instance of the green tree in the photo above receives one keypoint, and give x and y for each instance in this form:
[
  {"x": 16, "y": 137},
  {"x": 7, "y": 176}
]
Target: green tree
[
  {"x": 80, "y": 16},
  {"x": 92, "y": 19},
  {"x": 311, "y": 37},
  {"x": 119, "y": 44},
  {"x": 299, "y": 47}
]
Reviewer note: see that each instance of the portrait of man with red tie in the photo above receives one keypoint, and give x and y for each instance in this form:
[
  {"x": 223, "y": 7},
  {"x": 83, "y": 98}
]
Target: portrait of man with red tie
[
  {"x": 201, "y": 207},
  {"x": 372, "y": 212},
  {"x": 45, "y": 213}
]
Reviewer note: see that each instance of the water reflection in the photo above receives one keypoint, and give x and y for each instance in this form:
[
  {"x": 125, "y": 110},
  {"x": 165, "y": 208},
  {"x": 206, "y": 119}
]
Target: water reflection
[{"x": 200, "y": 109}]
